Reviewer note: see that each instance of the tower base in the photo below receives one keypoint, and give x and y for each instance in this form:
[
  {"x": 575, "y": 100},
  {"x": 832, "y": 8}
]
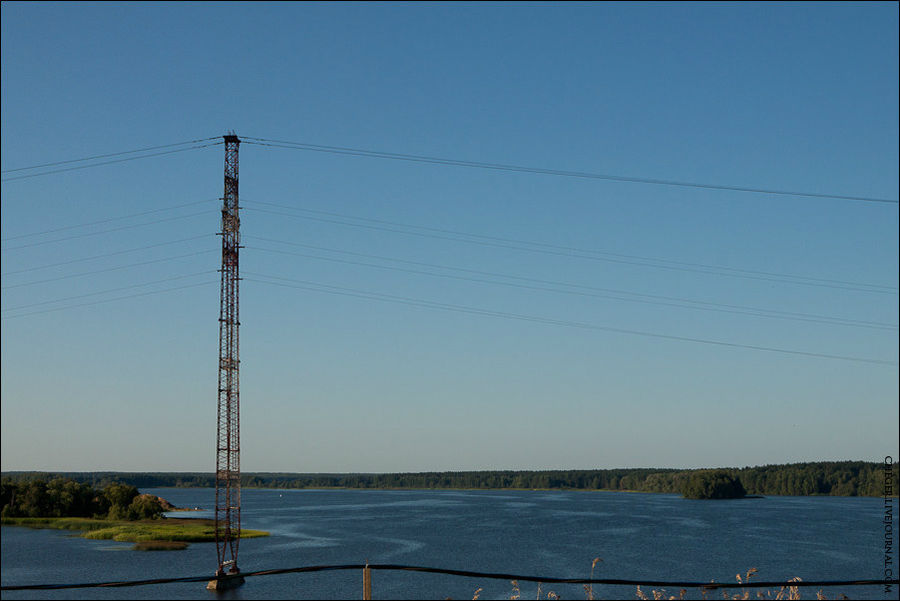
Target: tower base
[{"x": 226, "y": 583}]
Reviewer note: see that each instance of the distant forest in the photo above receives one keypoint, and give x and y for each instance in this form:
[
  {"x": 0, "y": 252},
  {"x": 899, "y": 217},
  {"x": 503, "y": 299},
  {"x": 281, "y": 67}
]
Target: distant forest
[{"x": 841, "y": 478}]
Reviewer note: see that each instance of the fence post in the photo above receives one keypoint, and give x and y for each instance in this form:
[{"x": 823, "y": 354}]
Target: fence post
[{"x": 367, "y": 582}]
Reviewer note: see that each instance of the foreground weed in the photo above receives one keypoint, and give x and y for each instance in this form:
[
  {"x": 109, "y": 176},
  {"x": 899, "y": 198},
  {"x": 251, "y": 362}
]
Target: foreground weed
[
  {"x": 786, "y": 593},
  {"x": 589, "y": 588},
  {"x": 657, "y": 595}
]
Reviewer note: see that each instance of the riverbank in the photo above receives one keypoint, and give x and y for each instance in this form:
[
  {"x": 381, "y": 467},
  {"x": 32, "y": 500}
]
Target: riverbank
[
  {"x": 148, "y": 535},
  {"x": 822, "y": 478}
]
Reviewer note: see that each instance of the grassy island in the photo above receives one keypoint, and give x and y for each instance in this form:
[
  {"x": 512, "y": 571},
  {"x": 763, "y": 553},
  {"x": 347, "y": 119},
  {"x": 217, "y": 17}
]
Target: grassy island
[
  {"x": 149, "y": 535},
  {"x": 118, "y": 512}
]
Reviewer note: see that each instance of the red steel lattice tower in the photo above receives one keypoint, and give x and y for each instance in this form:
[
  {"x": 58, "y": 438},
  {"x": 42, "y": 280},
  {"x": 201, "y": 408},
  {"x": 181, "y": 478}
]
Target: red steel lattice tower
[{"x": 228, "y": 439}]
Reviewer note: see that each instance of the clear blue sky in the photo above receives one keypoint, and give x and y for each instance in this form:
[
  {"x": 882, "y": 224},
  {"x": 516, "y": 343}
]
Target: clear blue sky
[{"x": 797, "y": 97}]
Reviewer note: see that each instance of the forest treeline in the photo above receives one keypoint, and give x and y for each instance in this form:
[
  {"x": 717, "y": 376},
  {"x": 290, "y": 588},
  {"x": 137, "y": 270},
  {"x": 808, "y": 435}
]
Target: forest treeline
[
  {"x": 841, "y": 478},
  {"x": 55, "y": 497}
]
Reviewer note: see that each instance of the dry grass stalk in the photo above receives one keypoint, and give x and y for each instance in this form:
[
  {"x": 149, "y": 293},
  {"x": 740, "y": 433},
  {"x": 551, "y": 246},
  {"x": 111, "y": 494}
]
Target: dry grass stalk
[
  {"x": 786, "y": 593},
  {"x": 589, "y": 588},
  {"x": 792, "y": 592}
]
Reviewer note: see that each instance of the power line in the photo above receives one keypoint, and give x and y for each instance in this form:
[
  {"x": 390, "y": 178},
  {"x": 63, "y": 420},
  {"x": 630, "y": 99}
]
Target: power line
[
  {"x": 460, "y": 573},
  {"x": 145, "y": 156},
  {"x": 581, "y": 254},
  {"x": 112, "y": 154},
  {"x": 368, "y": 295},
  {"x": 107, "y": 291},
  {"x": 115, "y": 229},
  {"x": 676, "y": 302},
  {"x": 543, "y": 171},
  {"x": 72, "y": 227},
  {"x": 574, "y": 249},
  {"x": 104, "y": 255},
  {"x": 109, "y": 300},
  {"x": 78, "y": 275}
]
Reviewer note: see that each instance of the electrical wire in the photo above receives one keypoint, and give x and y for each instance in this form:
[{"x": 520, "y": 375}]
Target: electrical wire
[
  {"x": 712, "y": 585},
  {"x": 116, "y": 268},
  {"x": 115, "y": 229},
  {"x": 155, "y": 154},
  {"x": 112, "y": 154},
  {"x": 679, "y": 302},
  {"x": 572, "y": 249},
  {"x": 104, "y": 255},
  {"x": 368, "y": 295},
  {"x": 592, "y": 251},
  {"x": 542, "y": 171},
  {"x": 109, "y": 300},
  {"x": 107, "y": 291},
  {"x": 517, "y": 245},
  {"x": 79, "y": 225}
]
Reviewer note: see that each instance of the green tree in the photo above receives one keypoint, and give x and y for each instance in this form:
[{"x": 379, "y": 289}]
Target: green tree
[
  {"x": 713, "y": 484},
  {"x": 145, "y": 507},
  {"x": 119, "y": 496}
]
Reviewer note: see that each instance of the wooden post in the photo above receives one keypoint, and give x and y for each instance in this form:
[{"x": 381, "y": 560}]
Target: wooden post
[{"x": 367, "y": 583}]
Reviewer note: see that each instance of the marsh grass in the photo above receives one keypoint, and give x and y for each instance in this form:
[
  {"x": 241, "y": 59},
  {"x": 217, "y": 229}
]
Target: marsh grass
[
  {"x": 785, "y": 593},
  {"x": 170, "y": 530},
  {"x": 57, "y": 523},
  {"x": 588, "y": 588}
]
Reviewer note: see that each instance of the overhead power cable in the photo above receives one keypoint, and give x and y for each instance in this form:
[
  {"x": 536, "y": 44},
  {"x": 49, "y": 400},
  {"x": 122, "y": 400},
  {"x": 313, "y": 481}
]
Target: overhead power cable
[
  {"x": 575, "y": 249},
  {"x": 143, "y": 156},
  {"x": 116, "y": 268},
  {"x": 111, "y": 219},
  {"x": 671, "y": 584},
  {"x": 107, "y": 291},
  {"x": 110, "y": 300},
  {"x": 368, "y": 295},
  {"x": 642, "y": 298},
  {"x": 104, "y": 255},
  {"x": 548, "y": 249},
  {"x": 115, "y": 229},
  {"x": 112, "y": 154},
  {"x": 557, "y": 172}
]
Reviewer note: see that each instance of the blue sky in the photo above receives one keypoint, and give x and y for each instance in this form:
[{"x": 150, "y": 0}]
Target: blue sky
[{"x": 797, "y": 97}]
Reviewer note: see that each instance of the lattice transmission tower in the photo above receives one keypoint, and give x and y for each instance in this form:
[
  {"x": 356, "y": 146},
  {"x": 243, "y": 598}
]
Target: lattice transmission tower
[{"x": 228, "y": 439}]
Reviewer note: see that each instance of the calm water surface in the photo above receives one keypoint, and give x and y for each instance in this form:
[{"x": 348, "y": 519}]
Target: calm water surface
[{"x": 545, "y": 533}]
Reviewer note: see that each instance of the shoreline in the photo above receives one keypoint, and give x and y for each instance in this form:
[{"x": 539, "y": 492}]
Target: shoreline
[
  {"x": 447, "y": 488},
  {"x": 168, "y": 533},
  {"x": 846, "y": 478}
]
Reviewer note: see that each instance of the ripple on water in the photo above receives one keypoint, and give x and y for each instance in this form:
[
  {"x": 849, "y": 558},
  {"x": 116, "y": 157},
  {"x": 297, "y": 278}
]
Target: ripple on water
[
  {"x": 538, "y": 532},
  {"x": 587, "y": 514},
  {"x": 518, "y": 505},
  {"x": 403, "y": 546}
]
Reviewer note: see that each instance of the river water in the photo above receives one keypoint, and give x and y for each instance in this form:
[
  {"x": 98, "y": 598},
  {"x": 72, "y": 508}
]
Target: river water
[{"x": 546, "y": 533}]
